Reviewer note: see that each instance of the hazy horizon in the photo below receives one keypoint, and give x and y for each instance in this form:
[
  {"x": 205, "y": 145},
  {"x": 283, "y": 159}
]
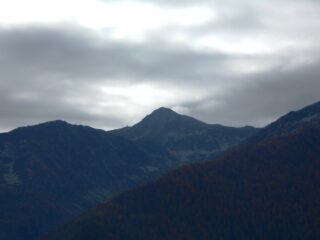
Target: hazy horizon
[{"x": 82, "y": 124}]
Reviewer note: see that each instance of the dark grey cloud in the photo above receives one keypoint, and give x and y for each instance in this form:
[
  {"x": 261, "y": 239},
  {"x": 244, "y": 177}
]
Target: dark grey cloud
[
  {"x": 21, "y": 112},
  {"x": 29, "y": 103},
  {"x": 42, "y": 52},
  {"x": 60, "y": 71},
  {"x": 52, "y": 72},
  {"x": 263, "y": 99}
]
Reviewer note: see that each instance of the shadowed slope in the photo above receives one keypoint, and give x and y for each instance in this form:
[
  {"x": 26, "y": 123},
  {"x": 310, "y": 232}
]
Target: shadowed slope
[
  {"x": 266, "y": 190},
  {"x": 51, "y": 172},
  {"x": 54, "y": 171}
]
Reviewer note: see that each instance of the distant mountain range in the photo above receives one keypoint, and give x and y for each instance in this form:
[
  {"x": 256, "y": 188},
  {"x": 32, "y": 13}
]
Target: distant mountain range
[
  {"x": 184, "y": 138},
  {"x": 267, "y": 188},
  {"x": 51, "y": 172}
]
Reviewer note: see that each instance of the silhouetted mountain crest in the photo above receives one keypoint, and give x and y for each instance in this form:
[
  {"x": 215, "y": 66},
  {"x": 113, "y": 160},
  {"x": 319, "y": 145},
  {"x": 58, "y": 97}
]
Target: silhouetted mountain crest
[
  {"x": 53, "y": 123},
  {"x": 289, "y": 123},
  {"x": 56, "y": 128},
  {"x": 57, "y": 122},
  {"x": 52, "y": 171},
  {"x": 165, "y": 118},
  {"x": 46, "y": 126},
  {"x": 264, "y": 190},
  {"x": 164, "y": 111},
  {"x": 184, "y": 137}
]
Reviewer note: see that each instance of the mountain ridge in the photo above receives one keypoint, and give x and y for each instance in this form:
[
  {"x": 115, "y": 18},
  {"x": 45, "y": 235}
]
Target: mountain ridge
[
  {"x": 263, "y": 190},
  {"x": 51, "y": 172},
  {"x": 289, "y": 122},
  {"x": 185, "y": 137}
]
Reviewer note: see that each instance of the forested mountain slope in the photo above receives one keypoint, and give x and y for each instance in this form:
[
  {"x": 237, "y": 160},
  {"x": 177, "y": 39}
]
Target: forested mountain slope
[{"x": 268, "y": 189}]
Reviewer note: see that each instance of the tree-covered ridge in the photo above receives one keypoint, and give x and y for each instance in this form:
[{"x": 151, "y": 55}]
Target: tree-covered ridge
[
  {"x": 51, "y": 172},
  {"x": 264, "y": 190}
]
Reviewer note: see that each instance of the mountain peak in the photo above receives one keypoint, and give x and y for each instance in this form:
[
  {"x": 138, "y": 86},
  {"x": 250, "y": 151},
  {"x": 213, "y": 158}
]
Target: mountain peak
[
  {"x": 164, "y": 111},
  {"x": 57, "y": 122},
  {"x": 163, "y": 116},
  {"x": 160, "y": 122}
]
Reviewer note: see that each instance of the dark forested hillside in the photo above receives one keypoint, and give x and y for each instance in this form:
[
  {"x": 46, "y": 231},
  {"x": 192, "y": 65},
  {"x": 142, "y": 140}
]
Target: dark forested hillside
[
  {"x": 269, "y": 189},
  {"x": 51, "y": 172},
  {"x": 55, "y": 170}
]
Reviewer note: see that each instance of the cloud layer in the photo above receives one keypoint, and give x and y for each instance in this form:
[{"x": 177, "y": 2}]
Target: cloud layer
[{"x": 240, "y": 63}]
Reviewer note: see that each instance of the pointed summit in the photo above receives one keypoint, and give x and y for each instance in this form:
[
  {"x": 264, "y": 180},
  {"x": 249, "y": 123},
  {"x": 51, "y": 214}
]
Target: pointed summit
[
  {"x": 161, "y": 116},
  {"x": 168, "y": 120},
  {"x": 184, "y": 136},
  {"x": 164, "y": 111},
  {"x": 159, "y": 123}
]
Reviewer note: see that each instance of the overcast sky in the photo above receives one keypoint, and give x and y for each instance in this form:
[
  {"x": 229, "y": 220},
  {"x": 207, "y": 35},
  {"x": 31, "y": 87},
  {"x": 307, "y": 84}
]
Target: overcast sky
[{"x": 108, "y": 63}]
